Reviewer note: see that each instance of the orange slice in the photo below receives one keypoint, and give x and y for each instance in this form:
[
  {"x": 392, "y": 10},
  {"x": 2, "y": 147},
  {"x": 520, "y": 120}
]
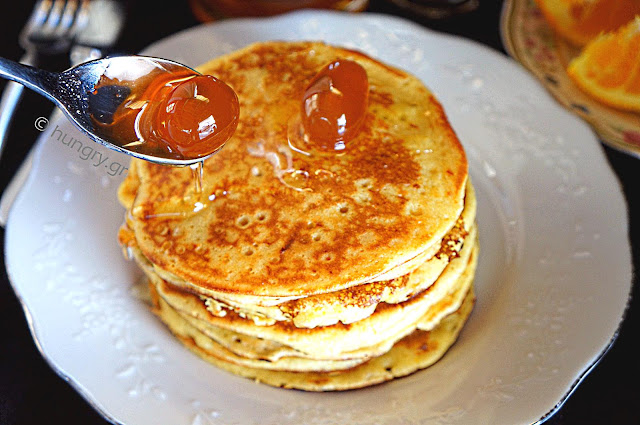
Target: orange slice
[
  {"x": 579, "y": 21},
  {"x": 609, "y": 67}
]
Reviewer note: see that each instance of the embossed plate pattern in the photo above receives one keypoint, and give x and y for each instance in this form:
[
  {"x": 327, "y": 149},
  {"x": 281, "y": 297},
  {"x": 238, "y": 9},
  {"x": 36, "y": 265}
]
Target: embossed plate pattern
[{"x": 553, "y": 279}]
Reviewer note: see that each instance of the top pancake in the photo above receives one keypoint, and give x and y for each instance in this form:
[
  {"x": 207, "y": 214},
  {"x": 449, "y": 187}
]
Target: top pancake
[{"x": 282, "y": 223}]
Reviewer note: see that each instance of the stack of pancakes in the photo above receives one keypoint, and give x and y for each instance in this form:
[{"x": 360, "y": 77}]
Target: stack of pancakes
[{"x": 306, "y": 269}]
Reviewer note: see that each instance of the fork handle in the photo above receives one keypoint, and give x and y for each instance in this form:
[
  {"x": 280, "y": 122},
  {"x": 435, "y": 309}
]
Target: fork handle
[{"x": 8, "y": 103}]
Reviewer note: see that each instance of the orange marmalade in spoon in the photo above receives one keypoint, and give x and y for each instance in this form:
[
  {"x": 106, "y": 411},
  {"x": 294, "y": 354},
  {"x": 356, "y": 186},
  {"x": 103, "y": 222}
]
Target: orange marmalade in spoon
[{"x": 177, "y": 114}]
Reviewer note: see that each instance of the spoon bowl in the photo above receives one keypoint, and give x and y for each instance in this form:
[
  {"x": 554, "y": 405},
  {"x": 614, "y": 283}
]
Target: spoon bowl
[{"x": 93, "y": 94}]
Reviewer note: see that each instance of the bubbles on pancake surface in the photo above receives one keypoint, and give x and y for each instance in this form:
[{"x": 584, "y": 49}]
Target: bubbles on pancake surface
[
  {"x": 365, "y": 183},
  {"x": 243, "y": 221},
  {"x": 343, "y": 208},
  {"x": 327, "y": 257},
  {"x": 166, "y": 245}
]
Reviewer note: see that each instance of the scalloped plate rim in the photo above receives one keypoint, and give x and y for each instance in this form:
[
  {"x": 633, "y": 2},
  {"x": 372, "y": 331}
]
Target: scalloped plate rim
[
  {"x": 600, "y": 124},
  {"x": 32, "y": 179}
]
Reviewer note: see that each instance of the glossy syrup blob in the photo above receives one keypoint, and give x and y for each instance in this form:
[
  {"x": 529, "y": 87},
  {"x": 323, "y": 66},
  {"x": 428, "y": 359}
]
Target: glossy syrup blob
[
  {"x": 334, "y": 105},
  {"x": 196, "y": 116},
  {"x": 180, "y": 115}
]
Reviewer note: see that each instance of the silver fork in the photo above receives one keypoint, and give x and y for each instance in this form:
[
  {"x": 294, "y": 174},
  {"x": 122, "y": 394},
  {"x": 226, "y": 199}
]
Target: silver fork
[{"x": 49, "y": 30}]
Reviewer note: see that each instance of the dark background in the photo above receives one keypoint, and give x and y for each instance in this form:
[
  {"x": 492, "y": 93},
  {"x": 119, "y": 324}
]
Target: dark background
[{"x": 32, "y": 393}]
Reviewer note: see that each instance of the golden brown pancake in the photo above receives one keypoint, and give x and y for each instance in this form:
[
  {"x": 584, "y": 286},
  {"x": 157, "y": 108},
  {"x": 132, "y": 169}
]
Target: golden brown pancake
[
  {"x": 257, "y": 352},
  {"x": 347, "y": 305},
  {"x": 415, "y": 351},
  {"x": 311, "y": 269},
  {"x": 332, "y": 342},
  {"x": 397, "y": 189}
]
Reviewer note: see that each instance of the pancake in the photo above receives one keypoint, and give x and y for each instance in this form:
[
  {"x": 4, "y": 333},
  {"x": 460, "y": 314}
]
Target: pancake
[
  {"x": 308, "y": 268},
  {"x": 357, "y": 217},
  {"x": 256, "y": 352},
  {"x": 331, "y": 342},
  {"x": 415, "y": 351},
  {"x": 348, "y": 305}
]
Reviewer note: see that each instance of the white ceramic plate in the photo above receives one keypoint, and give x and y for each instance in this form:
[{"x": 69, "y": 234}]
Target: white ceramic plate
[{"x": 552, "y": 285}]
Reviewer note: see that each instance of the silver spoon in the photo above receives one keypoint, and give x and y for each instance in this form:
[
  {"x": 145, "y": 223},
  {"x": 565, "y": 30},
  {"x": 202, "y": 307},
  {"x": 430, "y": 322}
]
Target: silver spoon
[{"x": 74, "y": 92}]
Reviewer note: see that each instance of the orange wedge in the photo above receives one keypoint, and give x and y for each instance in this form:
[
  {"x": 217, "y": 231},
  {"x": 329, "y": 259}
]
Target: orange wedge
[
  {"x": 579, "y": 21},
  {"x": 609, "y": 67}
]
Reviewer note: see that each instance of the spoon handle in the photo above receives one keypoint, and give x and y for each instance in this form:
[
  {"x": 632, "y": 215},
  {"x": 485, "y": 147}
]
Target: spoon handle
[{"x": 41, "y": 81}]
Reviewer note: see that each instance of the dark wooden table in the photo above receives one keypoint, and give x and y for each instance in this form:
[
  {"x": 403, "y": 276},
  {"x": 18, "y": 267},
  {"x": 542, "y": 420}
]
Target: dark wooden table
[{"x": 32, "y": 393}]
